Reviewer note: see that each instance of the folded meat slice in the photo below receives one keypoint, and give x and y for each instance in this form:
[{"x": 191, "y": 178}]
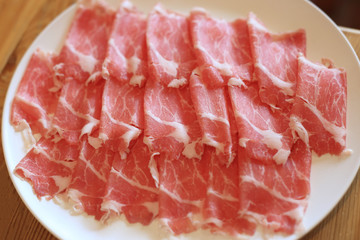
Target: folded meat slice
[
  {"x": 171, "y": 124},
  {"x": 275, "y": 196},
  {"x": 222, "y": 200},
  {"x": 126, "y": 57},
  {"x": 170, "y": 52},
  {"x": 224, "y": 57},
  {"x": 275, "y": 62},
  {"x": 182, "y": 192},
  {"x": 48, "y": 166},
  {"x": 319, "y": 112},
  {"x": 37, "y": 95},
  {"x": 84, "y": 50},
  {"x": 131, "y": 188},
  {"x": 213, "y": 106},
  {"x": 89, "y": 179},
  {"x": 222, "y": 49},
  {"x": 263, "y": 133},
  {"x": 78, "y": 110},
  {"x": 125, "y": 71}
]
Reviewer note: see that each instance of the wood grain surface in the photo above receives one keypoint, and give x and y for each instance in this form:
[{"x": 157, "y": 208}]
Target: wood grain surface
[{"x": 16, "y": 221}]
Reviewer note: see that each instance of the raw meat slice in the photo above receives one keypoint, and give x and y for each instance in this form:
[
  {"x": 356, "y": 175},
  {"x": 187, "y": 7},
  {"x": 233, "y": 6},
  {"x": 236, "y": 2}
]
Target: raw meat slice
[
  {"x": 48, "y": 166},
  {"x": 78, "y": 110},
  {"x": 182, "y": 185},
  {"x": 131, "y": 188},
  {"x": 125, "y": 69},
  {"x": 171, "y": 57},
  {"x": 263, "y": 133},
  {"x": 84, "y": 51},
  {"x": 171, "y": 124},
  {"x": 275, "y": 62},
  {"x": 276, "y": 196},
  {"x": 212, "y": 106},
  {"x": 122, "y": 115},
  {"x": 222, "y": 49},
  {"x": 222, "y": 201},
  {"x": 126, "y": 59},
  {"x": 37, "y": 95},
  {"x": 319, "y": 111},
  {"x": 89, "y": 179}
]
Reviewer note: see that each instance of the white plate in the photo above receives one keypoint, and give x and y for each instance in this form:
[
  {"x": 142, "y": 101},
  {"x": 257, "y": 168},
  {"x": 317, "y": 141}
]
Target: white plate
[{"x": 330, "y": 176}]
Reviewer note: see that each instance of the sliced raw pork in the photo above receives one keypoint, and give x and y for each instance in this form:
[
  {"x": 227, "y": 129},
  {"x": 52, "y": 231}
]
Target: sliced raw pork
[
  {"x": 36, "y": 98},
  {"x": 170, "y": 52},
  {"x": 276, "y": 196},
  {"x": 265, "y": 134},
  {"x": 131, "y": 188},
  {"x": 319, "y": 112},
  {"x": 212, "y": 106},
  {"x": 182, "y": 185},
  {"x": 89, "y": 179},
  {"x": 126, "y": 58},
  {"x": 275, "y": 62},
  {"x": 222, "y": 201},
  {"x": 171, "y": 124},
  {"x": 78, "y": 110},
  {"x": 125, "y": 69},
  {"x": 222, "y": 49},
  {"x": 48, "y": 166},
  {"x": 84, "y": 51}
]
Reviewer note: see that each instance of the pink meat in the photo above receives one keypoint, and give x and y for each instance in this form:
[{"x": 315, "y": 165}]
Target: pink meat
[
  {"x": 275, "y": 59},
  {"x": 212, "y": 106},
  {"x": 319, "y": 112},
  {"x": 85, "y": 46},
  {"x": 78, "y": 110},
  {"x": 126, "y": 59},
  {"x": 37, "y": 95},
  {"x": 125, "y": 68},
  {"x": 171, "y": 124},
  {"x": 276, "y": 196},
  {"x": 48, "y": 166},
  {"x": 222, "y": 49},
  {"x": 182, "y": 185},
  {"x": 89, "y": 179},
  {"x": 263, "y": 133},
  {"x": 131, "y": 188},
  {"x": 171, "y": 57},
  {"x": 222, "y": 201}
]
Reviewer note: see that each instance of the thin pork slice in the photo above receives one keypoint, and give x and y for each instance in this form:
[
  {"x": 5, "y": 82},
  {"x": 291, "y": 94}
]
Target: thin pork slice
[
  {"x": 263, "y": 133},
  {"x": 89, "y": 179},
  {"x": 170, "y": 52},
  {"x": 222, "y": 49},
  {"x": 222, "y": 201},
  {"x": 37, "y": 95},
  {"x": 84, "y": 50},
  {"x": 276, "y": 196},
  {"x": 182, "y": 186},
  {"x": 126, "y": 58},
  {"x": 212, "y": 106},
  {"x": 171, "y": 124},
  {"x": 131, "y": 188},
  {"x": 275, "y": 62},
  {"x": 78, "y": 110},
  {"x": 48, "y": 166},
  {"x": 319, "y": 112},
  {"x": 125, "y": 69}
]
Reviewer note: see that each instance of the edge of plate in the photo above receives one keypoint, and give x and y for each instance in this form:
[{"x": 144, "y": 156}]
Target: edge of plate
[{"x": 6, "y": 115}]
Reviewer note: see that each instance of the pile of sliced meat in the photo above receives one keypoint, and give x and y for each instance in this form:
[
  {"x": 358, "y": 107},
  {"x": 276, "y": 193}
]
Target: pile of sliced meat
[{"x": 196, "y": 121}]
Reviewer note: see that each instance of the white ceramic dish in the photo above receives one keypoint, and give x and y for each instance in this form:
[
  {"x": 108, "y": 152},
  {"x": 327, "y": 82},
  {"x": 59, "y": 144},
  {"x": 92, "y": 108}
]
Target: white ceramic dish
[{"x": 330, "y": 176}]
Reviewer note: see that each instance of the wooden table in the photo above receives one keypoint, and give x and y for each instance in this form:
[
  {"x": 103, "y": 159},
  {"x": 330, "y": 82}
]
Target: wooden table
[{"x": 16, "y": 222}]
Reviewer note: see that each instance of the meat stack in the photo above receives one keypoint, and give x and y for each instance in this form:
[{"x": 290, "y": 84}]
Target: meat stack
[{"x": 196, "y": 121}]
